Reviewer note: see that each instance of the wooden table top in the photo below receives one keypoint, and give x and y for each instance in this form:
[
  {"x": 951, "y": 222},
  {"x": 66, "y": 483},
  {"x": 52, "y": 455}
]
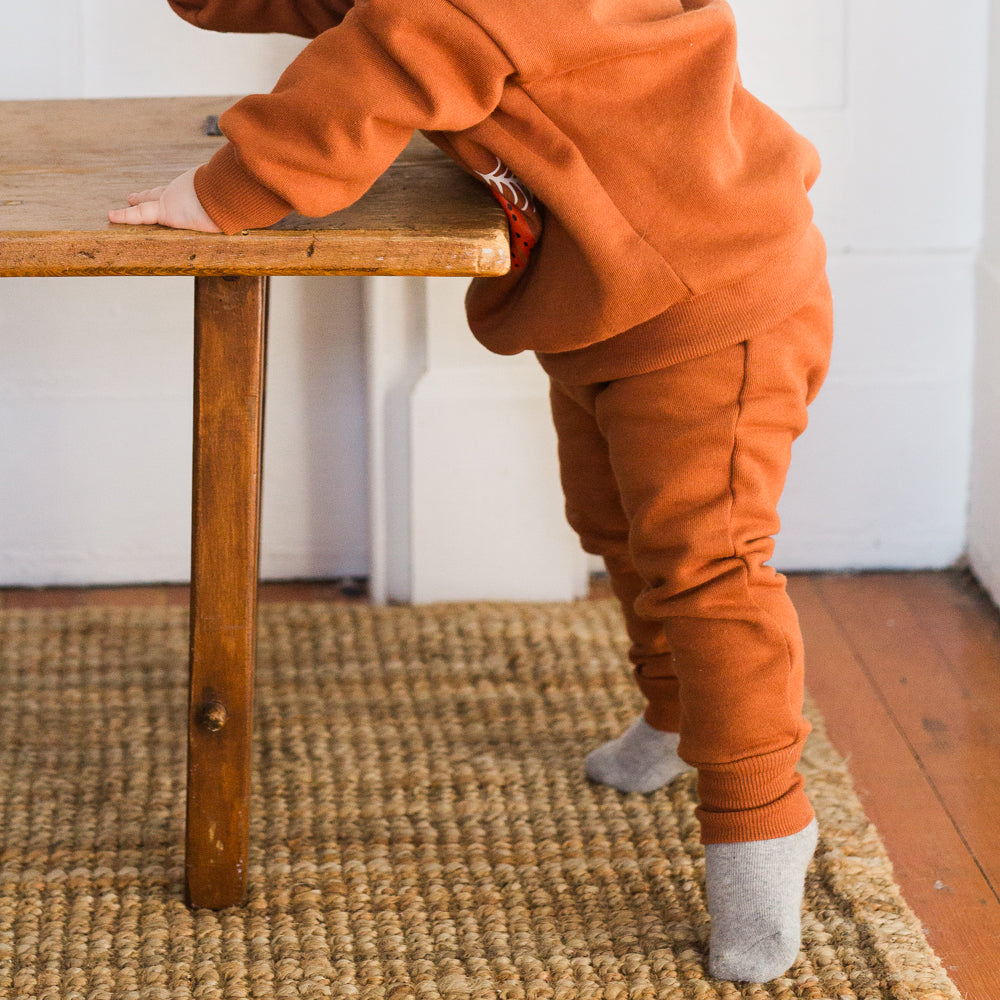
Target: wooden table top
[{"x": 63, "y": 164}]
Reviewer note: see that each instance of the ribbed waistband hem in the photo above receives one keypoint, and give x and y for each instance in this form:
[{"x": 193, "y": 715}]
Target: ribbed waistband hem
[{"x": 703, "y": 323}]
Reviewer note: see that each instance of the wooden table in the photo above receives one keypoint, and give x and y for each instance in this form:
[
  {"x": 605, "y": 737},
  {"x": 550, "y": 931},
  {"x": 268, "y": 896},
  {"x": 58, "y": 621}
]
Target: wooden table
[{"x": 62, "y": 165}]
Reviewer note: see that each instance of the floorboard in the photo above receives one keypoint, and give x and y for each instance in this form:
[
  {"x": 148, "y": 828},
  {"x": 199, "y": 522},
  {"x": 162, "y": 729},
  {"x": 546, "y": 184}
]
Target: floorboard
[{"x": 918, "y": 744}]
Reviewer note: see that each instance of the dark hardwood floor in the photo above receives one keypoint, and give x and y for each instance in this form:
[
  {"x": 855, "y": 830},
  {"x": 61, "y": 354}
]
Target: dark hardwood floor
[{"x": 905, "y": 668}]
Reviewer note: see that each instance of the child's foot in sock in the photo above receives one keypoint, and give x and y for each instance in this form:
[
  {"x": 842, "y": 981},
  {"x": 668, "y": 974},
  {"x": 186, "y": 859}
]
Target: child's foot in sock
[
  {"x": 755, "y": 901},
  {"x": 642, "y": 759}
]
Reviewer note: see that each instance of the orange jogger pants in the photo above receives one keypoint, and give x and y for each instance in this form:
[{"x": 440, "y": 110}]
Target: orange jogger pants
[{"x": 673, "y": 477}]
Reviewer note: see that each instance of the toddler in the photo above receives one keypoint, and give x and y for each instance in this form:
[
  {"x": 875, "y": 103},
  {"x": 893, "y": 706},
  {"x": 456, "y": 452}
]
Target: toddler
[{"x": 667, "y": 274}]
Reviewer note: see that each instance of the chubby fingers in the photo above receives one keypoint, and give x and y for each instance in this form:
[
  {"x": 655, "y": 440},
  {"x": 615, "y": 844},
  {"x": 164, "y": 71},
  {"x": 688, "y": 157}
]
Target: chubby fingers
[
  {"x": 145, "y": 213},
  {"x": 153, "y": 194},
  {"x": 175, "y": 205}
]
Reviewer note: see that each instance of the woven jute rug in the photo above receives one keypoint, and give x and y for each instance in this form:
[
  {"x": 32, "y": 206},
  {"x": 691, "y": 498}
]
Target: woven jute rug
[{"x": 421, "y": 824}]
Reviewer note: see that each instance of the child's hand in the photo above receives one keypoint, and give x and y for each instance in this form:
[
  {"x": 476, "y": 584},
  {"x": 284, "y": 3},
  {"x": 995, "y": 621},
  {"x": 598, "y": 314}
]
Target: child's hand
[{"x": 175, "y": 205}]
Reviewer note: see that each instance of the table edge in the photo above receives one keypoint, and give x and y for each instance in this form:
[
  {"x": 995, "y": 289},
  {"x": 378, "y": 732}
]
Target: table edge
[{"x": 156, "y": 251}]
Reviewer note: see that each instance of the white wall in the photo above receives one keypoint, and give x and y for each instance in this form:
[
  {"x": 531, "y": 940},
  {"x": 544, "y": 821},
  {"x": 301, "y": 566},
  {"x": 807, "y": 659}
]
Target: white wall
[
  {"x": 892, "y": 94},
  {"x": 95, "y": 383},
  {"x": 984, "y": 512}
]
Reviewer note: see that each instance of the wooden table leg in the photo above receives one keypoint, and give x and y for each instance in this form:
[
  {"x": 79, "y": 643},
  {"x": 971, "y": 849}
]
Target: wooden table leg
[{"x": 230, "y": 335}]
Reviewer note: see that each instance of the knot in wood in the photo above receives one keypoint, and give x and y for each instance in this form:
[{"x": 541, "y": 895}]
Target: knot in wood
[{"x": 213, "y": 716}]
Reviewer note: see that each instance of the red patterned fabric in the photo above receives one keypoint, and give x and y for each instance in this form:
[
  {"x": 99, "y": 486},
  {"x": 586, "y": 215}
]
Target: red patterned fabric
[{"x": 522, "y": 212}]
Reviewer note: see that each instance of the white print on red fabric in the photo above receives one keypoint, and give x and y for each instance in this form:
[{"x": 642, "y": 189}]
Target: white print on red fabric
[
  {"x": 508, "y": 186},
  {"x": 516, "y": 199}
]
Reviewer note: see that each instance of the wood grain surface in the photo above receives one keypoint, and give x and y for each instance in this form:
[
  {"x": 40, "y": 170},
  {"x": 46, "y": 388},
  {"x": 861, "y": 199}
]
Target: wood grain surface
[
  {"x": 63, "y": 164},
  {"x": 230, "y": 350}
]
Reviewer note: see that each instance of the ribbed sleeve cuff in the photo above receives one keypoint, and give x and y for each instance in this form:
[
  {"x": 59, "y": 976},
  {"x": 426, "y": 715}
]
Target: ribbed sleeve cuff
[{"x": 235, "y": 200}]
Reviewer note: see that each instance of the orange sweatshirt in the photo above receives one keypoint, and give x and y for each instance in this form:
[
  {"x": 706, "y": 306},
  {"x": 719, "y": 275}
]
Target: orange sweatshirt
[{"x": 674, "y": 205}]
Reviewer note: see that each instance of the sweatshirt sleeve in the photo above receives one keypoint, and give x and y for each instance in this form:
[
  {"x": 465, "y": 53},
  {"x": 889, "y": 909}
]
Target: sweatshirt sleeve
[
  {"x": 307, "y": 18},
  {"x": 346, "y": 107}
]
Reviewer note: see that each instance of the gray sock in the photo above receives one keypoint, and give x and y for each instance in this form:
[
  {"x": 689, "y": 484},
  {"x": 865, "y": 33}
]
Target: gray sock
[
  {"x": 642, "y": 759},
  {"x": 755, "y": 901}
]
